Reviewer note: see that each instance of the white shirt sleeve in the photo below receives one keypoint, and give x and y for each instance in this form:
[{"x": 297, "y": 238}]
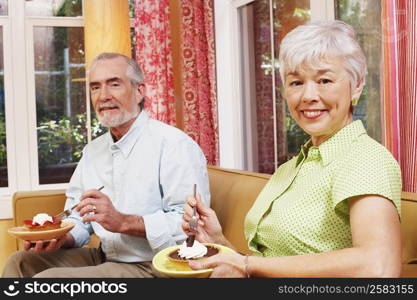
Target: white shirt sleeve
[
  {"x": 81, "y": 231},
  {"x": 182, "y": 165}
]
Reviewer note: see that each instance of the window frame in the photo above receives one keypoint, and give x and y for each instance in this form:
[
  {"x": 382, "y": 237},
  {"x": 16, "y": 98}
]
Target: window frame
[{"x": 9, "y": 107}]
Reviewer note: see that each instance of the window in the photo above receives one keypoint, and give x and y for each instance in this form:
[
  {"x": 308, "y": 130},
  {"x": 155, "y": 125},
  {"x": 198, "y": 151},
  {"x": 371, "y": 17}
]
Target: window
[
  {"x": 3, "y": 146},
  {"x": 60, "y": 101},
  {"x": 3, "y": 7},
  {"x": 271, "y": 137},
  {"x": 263, "y": 134},
  {"x": 365, "y": 17},
  {"x": 56, "y": 89},
  {"x": 45, "y": 120}
]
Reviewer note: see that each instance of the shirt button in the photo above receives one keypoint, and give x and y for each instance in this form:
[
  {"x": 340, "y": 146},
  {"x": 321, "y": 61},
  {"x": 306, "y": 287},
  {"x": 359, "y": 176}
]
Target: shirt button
[{"x": 113, "y": 147}]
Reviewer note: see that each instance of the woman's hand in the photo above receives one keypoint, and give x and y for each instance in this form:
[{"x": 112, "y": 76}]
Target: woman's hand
[
  {"x": 209, "y": 229},
  {"x": 223, "y": 265}
]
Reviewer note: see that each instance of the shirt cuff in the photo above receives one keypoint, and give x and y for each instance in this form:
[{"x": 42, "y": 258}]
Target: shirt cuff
[
  {"x": 80, "y": 233},
  {"x": 158, "y": 231}
]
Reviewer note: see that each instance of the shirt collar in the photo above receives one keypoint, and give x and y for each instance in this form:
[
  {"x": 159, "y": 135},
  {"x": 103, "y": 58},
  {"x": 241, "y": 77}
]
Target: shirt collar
[
  {"x": 126, "y": 143},
  {"x": 335, "y": 145}
]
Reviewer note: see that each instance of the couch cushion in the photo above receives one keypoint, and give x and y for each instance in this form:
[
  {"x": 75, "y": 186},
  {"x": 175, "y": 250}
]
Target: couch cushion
[{"x": 232, "y": 195}]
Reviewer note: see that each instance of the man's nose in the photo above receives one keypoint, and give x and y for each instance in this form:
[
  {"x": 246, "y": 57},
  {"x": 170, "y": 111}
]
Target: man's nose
[
  {"x": 311, "y": 92},
  {"x": 104, "y": 94}
]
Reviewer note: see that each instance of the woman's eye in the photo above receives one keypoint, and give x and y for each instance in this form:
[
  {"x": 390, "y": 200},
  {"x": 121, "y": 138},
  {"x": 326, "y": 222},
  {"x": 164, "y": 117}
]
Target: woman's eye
[
  {"x": 324, "y": 80},
  {"x": 296, "y": 83}
]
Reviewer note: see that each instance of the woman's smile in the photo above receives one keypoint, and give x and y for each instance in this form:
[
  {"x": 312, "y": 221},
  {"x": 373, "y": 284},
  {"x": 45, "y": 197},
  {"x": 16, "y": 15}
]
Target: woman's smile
[{"x": 312, "y": 114}]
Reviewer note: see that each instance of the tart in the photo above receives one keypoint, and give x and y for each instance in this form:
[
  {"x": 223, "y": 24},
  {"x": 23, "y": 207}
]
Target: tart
[
  {"x": 174, "y": 256},
  {"x": 47, "y": 225}
]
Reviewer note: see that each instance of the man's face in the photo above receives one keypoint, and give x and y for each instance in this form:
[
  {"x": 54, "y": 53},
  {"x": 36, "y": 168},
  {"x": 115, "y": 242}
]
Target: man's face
[{"x": 114, "y": 98}]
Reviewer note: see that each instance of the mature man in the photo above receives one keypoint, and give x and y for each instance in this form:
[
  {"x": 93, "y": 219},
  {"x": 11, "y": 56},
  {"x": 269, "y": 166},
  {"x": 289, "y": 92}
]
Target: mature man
[{"x": 147, "y": 169}]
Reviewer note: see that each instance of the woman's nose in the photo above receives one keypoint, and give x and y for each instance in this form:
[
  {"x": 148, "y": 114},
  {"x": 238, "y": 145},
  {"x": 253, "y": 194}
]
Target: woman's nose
[{"x": 311, "y": 92}]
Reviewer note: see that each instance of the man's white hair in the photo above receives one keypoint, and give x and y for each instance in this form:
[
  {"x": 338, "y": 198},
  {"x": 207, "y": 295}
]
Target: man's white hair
[
  {"x": 133, "y": 71},
  {"x": 311, "y": 43}
]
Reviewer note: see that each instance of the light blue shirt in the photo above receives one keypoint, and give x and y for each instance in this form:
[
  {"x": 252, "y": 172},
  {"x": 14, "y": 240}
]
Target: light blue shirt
[{"x": 149, "y": 172}]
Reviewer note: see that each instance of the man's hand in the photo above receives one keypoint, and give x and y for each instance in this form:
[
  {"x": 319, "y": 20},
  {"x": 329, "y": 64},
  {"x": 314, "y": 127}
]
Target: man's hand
[
  {"x": 66, "y": 241},
  {"x": 96, "y": 207}
]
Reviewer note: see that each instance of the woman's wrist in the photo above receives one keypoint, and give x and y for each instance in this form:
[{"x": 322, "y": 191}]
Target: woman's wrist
[{"x": 246, "y": 266}]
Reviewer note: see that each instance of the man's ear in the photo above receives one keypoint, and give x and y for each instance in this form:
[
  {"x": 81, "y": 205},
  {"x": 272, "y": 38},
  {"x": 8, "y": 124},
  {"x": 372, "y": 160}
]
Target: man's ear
[{"x": 140, "y": 92}]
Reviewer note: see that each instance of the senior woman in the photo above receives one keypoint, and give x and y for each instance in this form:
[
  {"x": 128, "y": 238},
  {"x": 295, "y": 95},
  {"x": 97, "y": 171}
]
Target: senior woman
[{"x": 334, "y": 209}]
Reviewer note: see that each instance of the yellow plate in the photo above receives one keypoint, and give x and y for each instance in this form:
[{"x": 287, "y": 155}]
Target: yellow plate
[
  {"x": 163, "y": 264},
  {"x": 24, "y": 234}
]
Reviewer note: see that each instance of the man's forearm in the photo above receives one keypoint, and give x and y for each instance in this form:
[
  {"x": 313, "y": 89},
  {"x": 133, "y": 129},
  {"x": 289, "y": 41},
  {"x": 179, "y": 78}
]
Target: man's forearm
[{"x": 133, "y": 225}]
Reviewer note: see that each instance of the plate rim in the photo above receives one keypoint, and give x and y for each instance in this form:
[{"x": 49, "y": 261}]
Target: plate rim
[{"x": 64, "y": 226}]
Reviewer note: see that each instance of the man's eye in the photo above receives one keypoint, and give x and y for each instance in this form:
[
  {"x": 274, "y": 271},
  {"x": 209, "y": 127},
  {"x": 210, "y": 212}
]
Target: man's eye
[
  {"x": 94, "y": 88},
  {"x": 115, "y": 84}
]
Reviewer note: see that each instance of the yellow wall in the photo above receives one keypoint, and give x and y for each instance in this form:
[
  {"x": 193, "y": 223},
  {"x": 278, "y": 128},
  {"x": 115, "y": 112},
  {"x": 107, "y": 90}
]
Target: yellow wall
[{"x": 7, "y": 243}]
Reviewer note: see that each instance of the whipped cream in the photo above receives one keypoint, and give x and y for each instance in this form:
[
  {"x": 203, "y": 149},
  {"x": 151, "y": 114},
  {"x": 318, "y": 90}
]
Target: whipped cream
[
  {"x": 196, "y": 251},
  {"x": 41, "y": 219}
]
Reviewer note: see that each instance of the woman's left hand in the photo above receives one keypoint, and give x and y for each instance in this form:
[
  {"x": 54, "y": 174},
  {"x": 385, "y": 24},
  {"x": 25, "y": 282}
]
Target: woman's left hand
[{"x": 223, "y": 265}]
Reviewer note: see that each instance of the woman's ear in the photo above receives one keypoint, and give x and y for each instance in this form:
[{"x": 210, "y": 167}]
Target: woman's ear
[{"x": 357, "y": 92}]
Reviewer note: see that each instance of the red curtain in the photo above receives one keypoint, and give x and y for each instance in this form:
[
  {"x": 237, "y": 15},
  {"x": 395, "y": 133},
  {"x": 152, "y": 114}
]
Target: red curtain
[
  {"x": 198, "y": 75},
  {"x": 154, "y": 55},
  {"x": 198, "y": 82},
  {"x": 399, "y": 88}
]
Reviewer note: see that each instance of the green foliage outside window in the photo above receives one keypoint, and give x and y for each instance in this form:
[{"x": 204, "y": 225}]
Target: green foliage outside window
[
  {"x": 3, "y": 153},
  {"x": 62, "y": 141},
  {"x": 59, "y": 142}
]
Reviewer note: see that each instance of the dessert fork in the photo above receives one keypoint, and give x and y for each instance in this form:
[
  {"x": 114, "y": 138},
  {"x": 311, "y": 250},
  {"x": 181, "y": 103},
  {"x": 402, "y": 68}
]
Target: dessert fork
[
  {"x": 193, "y": 222},
  {"x": 67, "y": 212}
]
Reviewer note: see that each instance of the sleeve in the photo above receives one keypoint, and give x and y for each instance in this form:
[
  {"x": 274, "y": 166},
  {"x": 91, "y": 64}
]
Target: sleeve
[
  {"x": 81, "y": 231},
  {"x": 182, "y": 165},
  {"x": 371, "y": 173}
]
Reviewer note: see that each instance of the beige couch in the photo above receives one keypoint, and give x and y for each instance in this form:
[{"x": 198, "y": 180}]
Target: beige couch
[{"x": 233, "y": 193}]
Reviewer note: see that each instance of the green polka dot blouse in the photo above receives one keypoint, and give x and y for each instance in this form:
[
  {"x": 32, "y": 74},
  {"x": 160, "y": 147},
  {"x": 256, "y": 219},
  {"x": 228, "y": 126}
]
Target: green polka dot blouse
[{"x": 303, "y": 208}]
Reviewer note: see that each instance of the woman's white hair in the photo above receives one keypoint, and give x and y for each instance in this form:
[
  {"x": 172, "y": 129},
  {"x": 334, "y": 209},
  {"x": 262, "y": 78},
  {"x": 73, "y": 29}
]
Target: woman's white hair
[{"x": 311, "y": 43}]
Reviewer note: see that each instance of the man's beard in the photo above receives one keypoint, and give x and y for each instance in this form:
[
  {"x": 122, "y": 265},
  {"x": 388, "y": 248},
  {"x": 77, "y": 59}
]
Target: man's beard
[{"x": 110, "y": 120}]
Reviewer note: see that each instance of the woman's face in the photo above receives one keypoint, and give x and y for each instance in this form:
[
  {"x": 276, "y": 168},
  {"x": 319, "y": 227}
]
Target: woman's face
[{"x": 319, "y": 99}]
